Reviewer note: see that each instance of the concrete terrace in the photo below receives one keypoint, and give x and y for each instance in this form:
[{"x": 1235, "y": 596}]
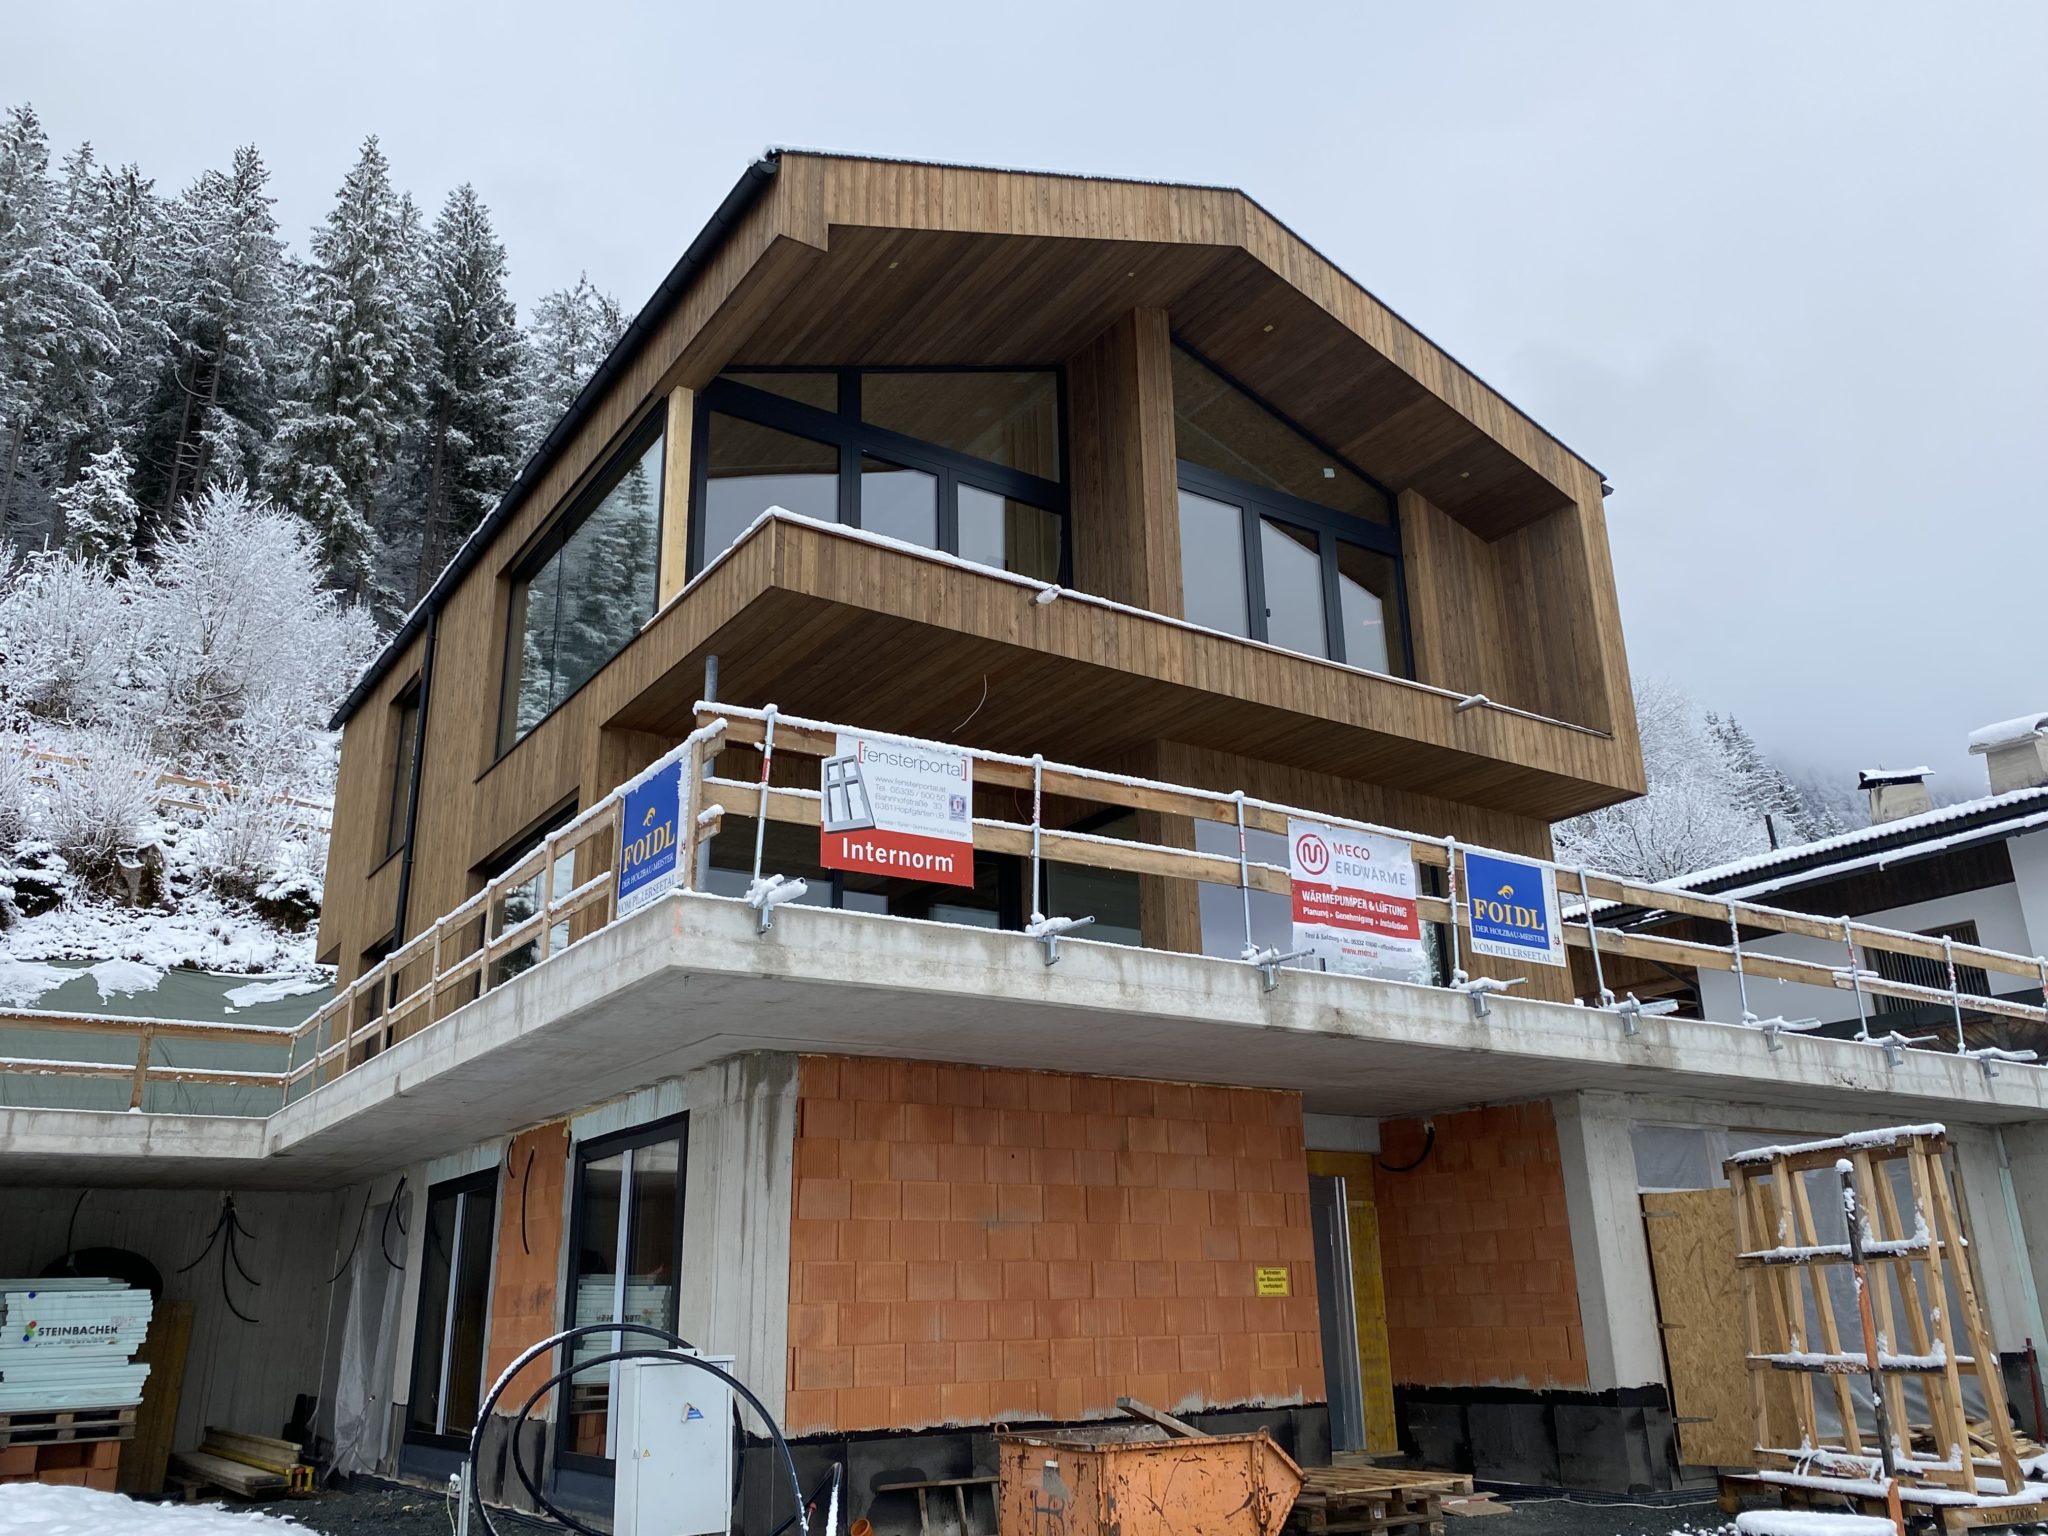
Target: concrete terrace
[{"x": 688, "y": 981}]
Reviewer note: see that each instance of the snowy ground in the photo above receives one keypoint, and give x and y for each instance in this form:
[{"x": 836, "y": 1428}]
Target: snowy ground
[{"x": 38, "y": 1509}]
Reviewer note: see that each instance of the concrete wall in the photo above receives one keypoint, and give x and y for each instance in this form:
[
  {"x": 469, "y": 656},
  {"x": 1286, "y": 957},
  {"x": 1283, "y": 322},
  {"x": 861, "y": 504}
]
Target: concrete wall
[
  {"x": 973, "y": 1245},
  {"x": 237, "y": 1373}
]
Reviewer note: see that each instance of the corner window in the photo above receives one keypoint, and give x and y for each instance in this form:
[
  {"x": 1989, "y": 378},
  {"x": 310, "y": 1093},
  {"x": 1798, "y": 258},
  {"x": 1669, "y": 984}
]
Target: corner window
[
  {"x": 455, "y": 1291},
  {"x": 968, "y": 461},
  {"x": 405, "y": 745},
  {"x": 627, "y": 1235},
  {"x": 1281, "y": 541},
  {"x": 587, "y": 590}
]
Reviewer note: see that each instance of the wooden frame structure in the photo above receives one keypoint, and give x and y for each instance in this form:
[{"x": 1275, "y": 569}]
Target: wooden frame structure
[
  {"x": 507, "y": 927},
  {"x": 1915, "y": 1278}
]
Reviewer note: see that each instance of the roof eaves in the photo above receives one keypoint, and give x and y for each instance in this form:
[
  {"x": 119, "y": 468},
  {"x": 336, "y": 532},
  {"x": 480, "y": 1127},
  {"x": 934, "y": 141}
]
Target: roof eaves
[{"x": 651, "y": 315}]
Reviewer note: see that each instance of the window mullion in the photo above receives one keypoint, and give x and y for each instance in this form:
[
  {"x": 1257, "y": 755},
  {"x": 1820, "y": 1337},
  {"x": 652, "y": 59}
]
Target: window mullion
[
  {"x": 1254, "y": 571},
  {"x": 949, "y": 512},
  {"x": 1333, "y": 596}
]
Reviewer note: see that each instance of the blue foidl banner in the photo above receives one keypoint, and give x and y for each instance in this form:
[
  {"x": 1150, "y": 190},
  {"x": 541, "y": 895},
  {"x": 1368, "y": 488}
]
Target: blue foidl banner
[
  {"x": 1514, "y": 910},
  {"x": 648, "y": 841}
]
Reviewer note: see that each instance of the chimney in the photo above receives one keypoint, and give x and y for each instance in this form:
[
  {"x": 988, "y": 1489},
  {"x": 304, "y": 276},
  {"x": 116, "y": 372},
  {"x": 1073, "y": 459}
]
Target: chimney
[
  {"x": 2015, "y": 751},
  {"x": 1895, "y": 792}
]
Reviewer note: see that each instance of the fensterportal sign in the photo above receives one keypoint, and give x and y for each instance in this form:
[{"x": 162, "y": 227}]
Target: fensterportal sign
[
  {"x": 1354, "y": 901},
  {"x": 1513, "y": 909},
  {"x": 648, "y": 842},
  {"x": 897, "y": 808}
]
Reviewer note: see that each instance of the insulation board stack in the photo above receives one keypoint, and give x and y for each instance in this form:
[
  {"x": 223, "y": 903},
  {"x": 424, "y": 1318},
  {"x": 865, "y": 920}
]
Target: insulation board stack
[{"x": 69, "y": 1344}]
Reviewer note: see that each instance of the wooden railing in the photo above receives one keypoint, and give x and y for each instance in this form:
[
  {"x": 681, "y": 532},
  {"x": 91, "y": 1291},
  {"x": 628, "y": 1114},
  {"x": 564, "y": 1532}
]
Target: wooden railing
[
  {"x": 142, "y": 1071},
  {"x": 565, "y": 889}
]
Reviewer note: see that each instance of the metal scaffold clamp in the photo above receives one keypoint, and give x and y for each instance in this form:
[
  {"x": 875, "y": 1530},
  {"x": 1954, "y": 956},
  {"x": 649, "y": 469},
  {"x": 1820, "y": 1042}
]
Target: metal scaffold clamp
[
  {"x": 1988, "y": 1057},
  {"x": 1267, "y": 962},
  {"x": 1634, "y": 1010},
  {"x": 768, "y": 892},
  {"x": 1894, "y": 1046},
  {"x": 1774, "y": 1029},
  {"x": 1050, "y": 930},
  {"x": 1480, "y": 988}
]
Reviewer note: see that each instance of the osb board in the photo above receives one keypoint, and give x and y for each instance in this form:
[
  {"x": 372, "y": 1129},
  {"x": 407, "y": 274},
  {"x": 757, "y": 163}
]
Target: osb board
[
  {"x": 1699, "y": 1302},
  {"x": 163, "y": 1348}
]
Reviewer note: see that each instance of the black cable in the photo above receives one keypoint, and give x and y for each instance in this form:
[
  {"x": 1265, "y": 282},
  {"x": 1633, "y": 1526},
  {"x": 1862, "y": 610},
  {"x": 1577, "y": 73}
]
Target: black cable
[
  {"x": 1428, "y": 1146},
  {"x": 362, "y": 1221},
  {"x": 384, "y": 1235},
  {"x": 71, "y": 1230},
  {"x": 525, "y": 1178},
  {"x": 564, "y": 1338}
]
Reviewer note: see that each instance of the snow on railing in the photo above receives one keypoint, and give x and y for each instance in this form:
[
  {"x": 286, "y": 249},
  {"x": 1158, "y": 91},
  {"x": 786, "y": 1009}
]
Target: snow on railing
[{"x": 564, "y": 889}]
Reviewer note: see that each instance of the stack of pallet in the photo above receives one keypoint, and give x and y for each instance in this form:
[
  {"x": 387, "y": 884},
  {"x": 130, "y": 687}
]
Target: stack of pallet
[
  {"x": 81, "y": 1446},
  {"x": 1372, "y": 1499}
]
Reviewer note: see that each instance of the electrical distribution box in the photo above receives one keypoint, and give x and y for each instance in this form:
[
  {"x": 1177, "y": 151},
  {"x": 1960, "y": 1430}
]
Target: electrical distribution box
[{"x": 675, "y": 1449}]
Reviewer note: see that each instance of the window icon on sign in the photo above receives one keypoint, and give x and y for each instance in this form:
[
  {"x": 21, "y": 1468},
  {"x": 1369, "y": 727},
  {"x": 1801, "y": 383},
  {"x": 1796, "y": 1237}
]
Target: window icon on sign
[
  {"x": 846, "y": 806},
  {"x": 956, "y": 807}
]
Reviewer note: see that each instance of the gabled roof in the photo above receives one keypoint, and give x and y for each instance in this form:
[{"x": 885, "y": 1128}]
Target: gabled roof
[{"x": 1990, "y": 819}]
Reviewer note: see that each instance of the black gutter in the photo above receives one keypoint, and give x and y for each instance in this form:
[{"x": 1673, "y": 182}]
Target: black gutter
[
  {"x": 412, "y": 792},
  {"x": 656, "y": 310}
]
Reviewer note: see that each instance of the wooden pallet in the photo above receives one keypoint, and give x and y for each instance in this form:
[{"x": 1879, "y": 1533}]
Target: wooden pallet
[
  {"x": 53, "y": 1426},
  {"x": 1338, "y": 1500}
]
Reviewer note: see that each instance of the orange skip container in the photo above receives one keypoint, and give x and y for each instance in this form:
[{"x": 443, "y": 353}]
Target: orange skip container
[{"x": 1123, "y": 1483}]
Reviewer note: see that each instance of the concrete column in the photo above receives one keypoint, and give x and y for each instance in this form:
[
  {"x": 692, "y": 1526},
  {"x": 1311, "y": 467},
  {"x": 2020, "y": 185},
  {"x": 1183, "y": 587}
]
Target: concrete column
[
  {"x": 2010, "y": 1298},
  {"x": 1617, "y": 1298},
  {"x": 2026, "y": 1152},
  {"x": 736, "y": 1200}
]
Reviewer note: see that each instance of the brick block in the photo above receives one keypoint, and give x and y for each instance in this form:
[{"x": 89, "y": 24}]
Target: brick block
[
  {"x": 863, "y": 1160},
  {"x": 1094, "y": 1166},
  {"x": 1020, "y": 1202},
  {"x": 963, "y": 1321},
  {"x": 917, "y": 1240},
  {"x": 927, "y": 1201},
  {"x": 829, "y": 1119},
  {"x": 833, "y": 1281},
  {"x": 979, "y": 1279},
  {"x": 912, "y": 1161},
  {"x": 1066, "y": 1202},
  {"x": 1095, "y": 1239},
  {"x": 973, "y": 1202},
  {"x": 876, "y": 1200},
  {"x": 861, "y": 1408},
  {"x": 878, "y": 1365},
  {"x": 1050, "y": 1091},
  {"x": 913, "y": 1405},
  {"x": 1008, "y": 1165},
  {"x": 1073, "y": 1358},
  {"x": 863, "y": 1322},
  {"x": 960, "y": 1163},
  {"x": 1139, "y": 1135},
  {"x": 961, "y": 1086},
  {"x": 1052, "y": 1165},
  {"x": 16, "y": 1460},
  {"x": 964, "y": 1402},
  {"x": 1024, "y": 1279},
  {"x": 1093, "y": 1095},
  {"x": 927, "y": 1123},
  {"x": 807, "y": 1412},
  {"x": 930, "y": 1280},
  {"x": 824, "y": 1200},
  {"x": 821, "y": 1369},
  {"x": 881, "y": 1281},
  {"x": 1066, "y": 1129},
  {"x": 1012, "y": 1318},
  {"x": 813, "y": 1240},
  {"x": 1069, "y": 1279},
  {"x": 1027, "y": 1359},
  {"x": 1173, "y": 1101},
  {"x": 1116, "y": 1357},
  {"x": 1006, "y": 1089},
  {"x": 811, "y": 1325},
  {"x": 860, "y": 1240},
  {"x": 920, "y": 1082}
]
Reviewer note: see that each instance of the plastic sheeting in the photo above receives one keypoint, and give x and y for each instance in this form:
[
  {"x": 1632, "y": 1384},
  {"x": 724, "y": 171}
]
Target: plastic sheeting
[{"x": 364, "y": 1372}]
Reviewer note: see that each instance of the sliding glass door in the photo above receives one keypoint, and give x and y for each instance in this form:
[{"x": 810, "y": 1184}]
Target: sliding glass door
[
  {"x": 628, "y": 1236},
  {"x": 455, "y": 1293}
]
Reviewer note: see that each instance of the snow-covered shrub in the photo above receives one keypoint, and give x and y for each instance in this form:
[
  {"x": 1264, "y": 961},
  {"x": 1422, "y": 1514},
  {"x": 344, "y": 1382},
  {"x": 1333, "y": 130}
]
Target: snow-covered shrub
[
  {"x": 100, "y": 816},
  {"x": 67, "y": 635},
  {"x": 242, "y": 838},
  {"x": 247, "y": 652}
]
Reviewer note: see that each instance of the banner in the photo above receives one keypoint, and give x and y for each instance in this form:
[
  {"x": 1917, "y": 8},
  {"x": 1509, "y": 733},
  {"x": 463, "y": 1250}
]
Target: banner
[
  {"x": 892, "y": 808},
  {"x": 648, "y": 842},
  {"x": 1514, "y": 914},
  {"x": 1354, "y": 901}
]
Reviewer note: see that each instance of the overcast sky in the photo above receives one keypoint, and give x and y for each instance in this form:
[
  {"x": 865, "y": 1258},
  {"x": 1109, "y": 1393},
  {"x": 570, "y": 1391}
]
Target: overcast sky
[{"x": 1776, "y": 269}]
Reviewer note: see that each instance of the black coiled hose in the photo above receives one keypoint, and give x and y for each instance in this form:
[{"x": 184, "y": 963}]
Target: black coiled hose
[{"x": 568, "y": 1336}]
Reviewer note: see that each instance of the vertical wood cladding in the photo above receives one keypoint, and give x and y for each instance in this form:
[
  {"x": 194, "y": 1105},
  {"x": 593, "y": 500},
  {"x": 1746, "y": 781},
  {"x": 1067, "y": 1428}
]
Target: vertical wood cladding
[
  {"x": 974, "y": 1245},
  {"x": 1126, "y": 509},
  {"x": 1477, "y": 1252}
]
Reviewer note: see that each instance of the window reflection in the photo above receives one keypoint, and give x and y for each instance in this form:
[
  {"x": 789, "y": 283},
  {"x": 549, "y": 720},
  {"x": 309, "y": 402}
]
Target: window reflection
[
  {"x": 587, "y": 599},
  {"x": 751, "y": 468},
  {"x": 1009, "y": 535},
  {"x": 1212, "y": 574},
  {"x": 1010, "y": 419},
  {"x": 1294, "y": 588},
  {"x": 899, "y": 503},
  {"x": 1220, "y": 427},
  {"x": 1368, "y": 598}
]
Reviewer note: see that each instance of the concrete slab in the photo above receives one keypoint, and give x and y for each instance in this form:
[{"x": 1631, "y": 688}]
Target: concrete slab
[{"x": 688, "y": 981}]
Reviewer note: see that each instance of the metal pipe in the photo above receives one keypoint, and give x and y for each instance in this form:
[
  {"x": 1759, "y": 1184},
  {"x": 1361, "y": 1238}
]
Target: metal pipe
[
  {"x": 1735, "y": 950},
  {"x": 1955, "y": 996},
  {"x": 1605, "y": 997},
  {"x": 1853, "y": 1215},
  {"x": 1038, "y": 907},
  {"x": 1451, "y": 887},
  {"x": 1244, "y": 875},
  {"x": 711, "y": 678},
  {"x": 1856, "y": 980},
  {"x": 761, "y": 808}
]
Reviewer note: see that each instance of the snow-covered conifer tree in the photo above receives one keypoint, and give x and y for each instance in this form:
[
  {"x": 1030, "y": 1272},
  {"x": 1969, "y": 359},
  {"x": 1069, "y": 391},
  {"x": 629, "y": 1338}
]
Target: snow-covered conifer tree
[
  {"x": 99, "y": 515},
  {"x": 348, "y": 397},
  {"x": 573, "y": 330}
]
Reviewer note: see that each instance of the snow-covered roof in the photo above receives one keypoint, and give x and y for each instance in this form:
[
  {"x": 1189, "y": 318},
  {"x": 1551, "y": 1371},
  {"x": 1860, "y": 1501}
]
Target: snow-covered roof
[
  {"x": 1866, "y": 777},
  {"x": 1991, "y": 816},
  {"x": 2008, "y": 733}
]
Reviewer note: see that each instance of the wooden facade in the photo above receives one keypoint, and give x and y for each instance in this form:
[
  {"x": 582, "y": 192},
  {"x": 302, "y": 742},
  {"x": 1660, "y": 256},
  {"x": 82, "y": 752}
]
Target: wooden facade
[{"x": 840, "y": 262}]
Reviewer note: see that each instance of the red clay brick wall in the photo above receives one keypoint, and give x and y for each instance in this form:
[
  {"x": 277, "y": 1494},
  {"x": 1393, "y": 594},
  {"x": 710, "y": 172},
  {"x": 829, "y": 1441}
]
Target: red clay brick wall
[
  {"x": 1477, "y": 1253},
  {"x": 973, "y": 1246}
]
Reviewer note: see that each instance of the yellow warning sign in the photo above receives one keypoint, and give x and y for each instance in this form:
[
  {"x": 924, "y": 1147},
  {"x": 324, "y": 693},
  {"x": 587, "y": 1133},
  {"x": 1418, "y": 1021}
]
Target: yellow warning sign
[{"x": 1273, "y": 1280}]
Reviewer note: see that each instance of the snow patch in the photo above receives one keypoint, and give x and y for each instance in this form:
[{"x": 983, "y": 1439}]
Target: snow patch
[
  {"x": 1810, "y": 1522},
  {"x": 259, "y": 992},
  {"x": 49, "y": 1509},
  {"x": 124, "y": 978},
  {"x": 23, "y": 981}
]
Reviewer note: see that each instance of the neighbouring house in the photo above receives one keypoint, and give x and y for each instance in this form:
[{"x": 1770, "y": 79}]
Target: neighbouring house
[{"x": 1126, "y": 492}]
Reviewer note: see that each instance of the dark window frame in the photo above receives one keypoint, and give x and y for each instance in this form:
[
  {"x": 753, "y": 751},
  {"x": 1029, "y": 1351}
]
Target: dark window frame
[
  {"x": 852, "y": 438},
  {"x": 1327, "y": 524},
  {"x": 483, "y": 1182},
  {"x": 403, "y": 765},
  {"x": 1918, "y": 971},
  {"x": 674, "y": 1128},
  {"x": 652, "y": 428}
]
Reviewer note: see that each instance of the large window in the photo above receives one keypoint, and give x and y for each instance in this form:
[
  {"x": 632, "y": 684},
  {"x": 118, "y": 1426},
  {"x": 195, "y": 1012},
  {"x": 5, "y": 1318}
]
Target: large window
[
  {"x": 964, "y": 460},
  {"x": 405, "y": 733},
  {"x": 587, "y": 590},
  {"x": 1281, "y": 540},
  {"x": 455, "y": 1290},
  {"x": 627, "y": 1236}
]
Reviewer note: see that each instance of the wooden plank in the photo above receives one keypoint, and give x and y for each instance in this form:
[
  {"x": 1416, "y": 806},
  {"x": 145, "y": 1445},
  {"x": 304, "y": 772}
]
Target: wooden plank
[
  {"x": 163, "y": 1351},
  {"x": 250, "y": 1482},
  {"x": 1166, "y": 1421}
]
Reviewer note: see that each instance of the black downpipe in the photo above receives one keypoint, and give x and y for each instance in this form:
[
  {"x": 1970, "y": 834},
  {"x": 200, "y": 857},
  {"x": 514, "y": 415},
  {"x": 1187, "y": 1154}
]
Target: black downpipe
[{"x": 412, "y": 792}]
